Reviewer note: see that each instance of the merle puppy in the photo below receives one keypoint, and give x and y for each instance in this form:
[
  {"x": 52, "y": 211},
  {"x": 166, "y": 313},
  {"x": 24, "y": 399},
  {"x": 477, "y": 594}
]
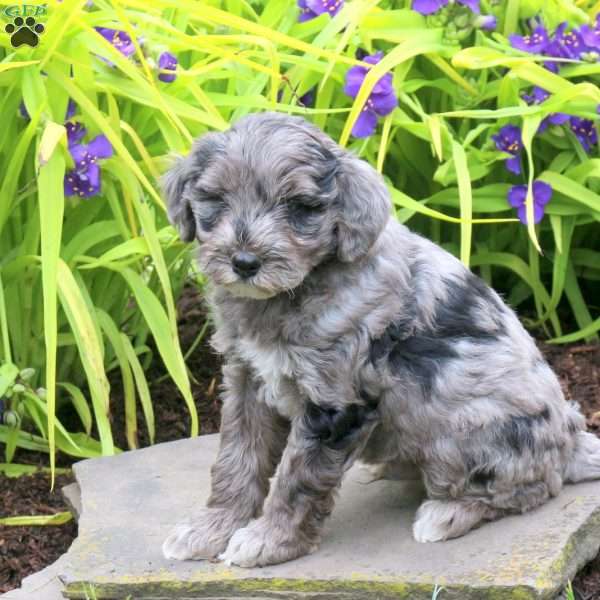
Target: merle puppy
[{"x": 348, "y": 337}]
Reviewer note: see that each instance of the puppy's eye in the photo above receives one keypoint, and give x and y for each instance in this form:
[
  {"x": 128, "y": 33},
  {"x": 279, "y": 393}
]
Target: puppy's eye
[
  {"x": 207, "y": 210},
  {"x": 303, "y": 209}
]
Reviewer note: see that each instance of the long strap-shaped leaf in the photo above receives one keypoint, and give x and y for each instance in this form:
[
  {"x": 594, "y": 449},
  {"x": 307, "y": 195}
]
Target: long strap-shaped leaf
[
  {"x": 166, "y": 340},
  {"x": 51, "y": 206},
  {"x": 465, "y": 197},
  {"x": 56, "y": 519},
  {"x": 90, "y": 351}
]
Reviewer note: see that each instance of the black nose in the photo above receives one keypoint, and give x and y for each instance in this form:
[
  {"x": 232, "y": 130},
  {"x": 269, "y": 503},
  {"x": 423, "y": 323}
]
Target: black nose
[{"x": 245, "y": 264}]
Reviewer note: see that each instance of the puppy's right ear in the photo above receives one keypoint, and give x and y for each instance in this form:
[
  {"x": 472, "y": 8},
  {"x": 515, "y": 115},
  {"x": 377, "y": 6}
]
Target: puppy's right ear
[{"x": 174, "y": 182}]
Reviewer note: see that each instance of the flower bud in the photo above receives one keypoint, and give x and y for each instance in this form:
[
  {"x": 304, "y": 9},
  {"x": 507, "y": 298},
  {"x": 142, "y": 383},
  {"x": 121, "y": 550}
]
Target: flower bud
[
  {"x": 10, "y": 418},
  {"x": 486, "y": 22},
  {"x": 41, "y": 393},
  {"x": 592, "y": 56},
  {"x": 461, "y": 21},
  {"x": 27, "y": 374},
  {"x": 18, "y": 388},
  {"x": 438, "y": 19}
]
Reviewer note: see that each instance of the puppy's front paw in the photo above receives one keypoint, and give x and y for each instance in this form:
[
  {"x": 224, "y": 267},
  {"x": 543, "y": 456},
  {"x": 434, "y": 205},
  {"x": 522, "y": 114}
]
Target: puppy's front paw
[
  {"x": 205, "y": 536},
  {"x": 260, "y": 544}
]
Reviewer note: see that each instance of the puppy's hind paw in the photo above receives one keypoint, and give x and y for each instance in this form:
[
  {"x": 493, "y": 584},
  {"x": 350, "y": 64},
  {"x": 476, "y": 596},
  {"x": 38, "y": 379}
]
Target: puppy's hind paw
[
  {"x": 203, "y": 537},
  {"x": 439, "y": 520}
]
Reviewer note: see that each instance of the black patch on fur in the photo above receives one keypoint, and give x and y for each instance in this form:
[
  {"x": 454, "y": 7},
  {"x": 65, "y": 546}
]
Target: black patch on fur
[
  {"x": 517, "y": 431},
  {"x": 482, "y": 476},
  {"x": 241, "y": 231},
  {"x": 259, "y": 189},
  {"x": 545, "y": 414},
  {"x": 395, "y": 333},
  {"x": 335, "y": 427},
  {"x": 370, "y": 400},
  {"x": 421, "y": 358},
  {"x": 331, "y": 167},
  {"x": 422, "y": 355},
  {"x": 457, "y": 317}
]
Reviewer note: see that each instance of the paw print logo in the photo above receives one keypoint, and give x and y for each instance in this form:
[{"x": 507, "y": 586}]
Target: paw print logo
[{"x": 24, "y": 32}]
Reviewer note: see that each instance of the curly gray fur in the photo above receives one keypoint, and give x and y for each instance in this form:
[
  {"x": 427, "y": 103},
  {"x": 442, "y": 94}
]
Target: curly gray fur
[{"x": 352, "y": 337}]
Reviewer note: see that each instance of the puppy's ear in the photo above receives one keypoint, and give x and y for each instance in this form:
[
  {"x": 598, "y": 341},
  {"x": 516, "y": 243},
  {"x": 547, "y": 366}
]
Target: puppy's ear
[
  {"x": 174, "y": 182},
  {"x": 364, "y": 207}
]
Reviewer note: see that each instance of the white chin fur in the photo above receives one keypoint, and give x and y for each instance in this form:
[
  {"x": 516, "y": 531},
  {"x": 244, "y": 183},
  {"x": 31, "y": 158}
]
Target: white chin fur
[{"x": 243, "y": 290}]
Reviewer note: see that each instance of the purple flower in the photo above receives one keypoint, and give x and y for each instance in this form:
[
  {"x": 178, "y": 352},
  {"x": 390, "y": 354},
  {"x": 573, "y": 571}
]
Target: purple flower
[
  {"x": 308, "y": 99},
  {"x": 553, "y": 119},
  {"x": 535, "y": 43},
  {"x": 119, "y": 39},
  {"x": 586, "y": 132},
  {"x": 380, "y": 102},
  {"x": 591, "y": 35},
  {"x": 486, "y": 22},
  {"x": 509, "y": 140},
  {"x": 169, "y": 62},
  {"x": 542, "y": 193},
  {"x": 537, "y": 96},
  {"x": 562, "y": 44},
  {"x": 71, "y": 109},
  {"x": 428, "y": 7},
  {"x": 565, "y": 44},
  {"x": 75, "y": 132},
  {"x": 23, "y": 111},
  {"x": 309, "y": 9},
  {"x": 84, "y": 179},
  {"x": 570, "y": 42}
]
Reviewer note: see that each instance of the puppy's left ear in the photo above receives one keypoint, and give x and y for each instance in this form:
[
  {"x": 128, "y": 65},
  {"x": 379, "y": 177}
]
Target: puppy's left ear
[
  {"x": 174, "y": 182},
  {"x": 364, "y": 207}
]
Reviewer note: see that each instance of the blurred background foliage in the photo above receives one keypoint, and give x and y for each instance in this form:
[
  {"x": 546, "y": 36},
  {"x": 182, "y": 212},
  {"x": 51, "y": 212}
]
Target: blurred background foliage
[{"x": 90, "y": 269}]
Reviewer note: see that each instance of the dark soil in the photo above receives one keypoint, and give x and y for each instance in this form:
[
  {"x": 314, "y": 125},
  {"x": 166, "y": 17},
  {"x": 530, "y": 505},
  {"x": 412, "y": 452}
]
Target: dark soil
[{"x": 25, "y": 550}]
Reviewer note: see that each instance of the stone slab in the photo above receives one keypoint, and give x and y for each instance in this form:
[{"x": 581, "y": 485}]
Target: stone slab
[
  {"x": 130, "y": 502},
  {"x": 72, "y": 495}
]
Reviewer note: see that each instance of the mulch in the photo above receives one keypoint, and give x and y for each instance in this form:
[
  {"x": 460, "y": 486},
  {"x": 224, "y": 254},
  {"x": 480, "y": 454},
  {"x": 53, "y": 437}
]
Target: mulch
[{"x": 25, "y": 550}]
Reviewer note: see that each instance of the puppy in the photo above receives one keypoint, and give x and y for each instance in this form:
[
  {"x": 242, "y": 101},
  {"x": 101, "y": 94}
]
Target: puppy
[{"x": 346, "y": 336}]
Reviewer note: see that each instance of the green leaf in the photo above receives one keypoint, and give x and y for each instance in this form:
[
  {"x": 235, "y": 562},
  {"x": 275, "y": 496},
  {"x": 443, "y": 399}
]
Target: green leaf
[
  {"x": 167, "y": 344},
  {"x": 466, "y": 201},
  {"x": 51, "y": 208},
  {"x": 90, "y": 351},
  {"x": 141, "y": 385},
  {"x": 113, "y": 334},
  {"x": 8, "y": 375},
  {"x": 79, "y": 403},
  {"x": 16, "y": 470},
  {"x": 37, "y": 520},
  {"x": 588, "y": 331},
  {"x": 573, "y": 190}
]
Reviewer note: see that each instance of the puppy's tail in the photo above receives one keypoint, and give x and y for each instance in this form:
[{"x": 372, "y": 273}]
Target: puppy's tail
[{"x": 585, "y": 460}]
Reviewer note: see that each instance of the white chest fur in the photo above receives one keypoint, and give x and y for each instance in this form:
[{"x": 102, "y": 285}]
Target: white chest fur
[{"x": 274, "y": 365}]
